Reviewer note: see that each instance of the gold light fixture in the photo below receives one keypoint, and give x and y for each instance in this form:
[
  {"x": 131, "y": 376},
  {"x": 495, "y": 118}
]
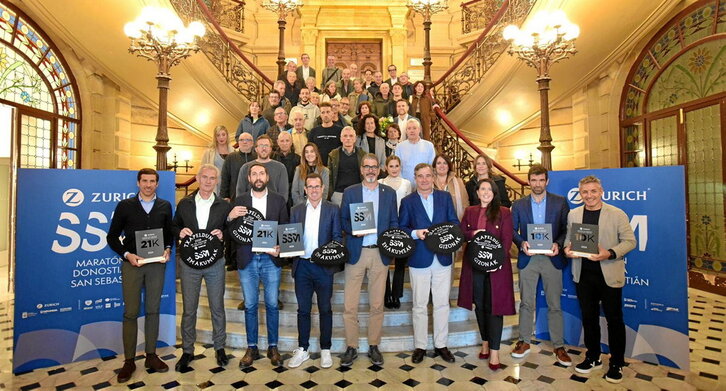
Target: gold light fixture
[
  {"x": 427, "y": 8},
  {"x": 159, "y": 35},
  {"x": 548, "y": 38},
  {"x": 282, "y": 8}
]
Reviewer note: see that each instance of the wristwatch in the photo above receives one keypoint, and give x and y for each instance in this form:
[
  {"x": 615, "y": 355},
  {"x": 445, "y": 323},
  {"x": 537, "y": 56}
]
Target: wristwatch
[{"x": 612, "y": 254}]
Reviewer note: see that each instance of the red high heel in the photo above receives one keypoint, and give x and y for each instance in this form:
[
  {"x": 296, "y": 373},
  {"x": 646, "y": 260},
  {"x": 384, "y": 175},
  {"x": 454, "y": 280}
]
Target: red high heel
[
  {"x": 483, "y": 356},
  {"x": 495, "y": 367}
]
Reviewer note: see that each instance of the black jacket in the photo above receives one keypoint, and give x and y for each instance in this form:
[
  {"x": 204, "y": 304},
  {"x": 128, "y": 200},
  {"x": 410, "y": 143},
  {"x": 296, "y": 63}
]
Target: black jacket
[
  {"x": 276, "y": 211},
  {"x": 498, "y": 180},
  {"x": 129, "y": 217},
  {"x": 186, "y": 215},
  {"x": 230, "y": 171}
]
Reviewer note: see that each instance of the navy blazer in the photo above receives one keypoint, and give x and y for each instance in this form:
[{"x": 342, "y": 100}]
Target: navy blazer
[
  {"x": 387, "y": 217},
  {"x": 276, "y": 211},
  {"x": 555, "y": 214},
  {"x": 413, "y": 216},
  {"x": 328, "y": 227}
]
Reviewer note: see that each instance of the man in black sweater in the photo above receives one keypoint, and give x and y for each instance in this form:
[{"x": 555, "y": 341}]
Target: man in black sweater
[
  {"x": 144, "y": 212},
  {"x": 326, "y": 136}
]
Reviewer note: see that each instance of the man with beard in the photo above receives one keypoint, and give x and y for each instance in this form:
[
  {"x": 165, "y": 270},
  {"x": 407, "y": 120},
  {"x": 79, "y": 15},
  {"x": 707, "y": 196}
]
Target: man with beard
[
  {"x": 254, "y": 267},
  {"x": 202, "y": 210},
  {"x": 143, "y": 212},
  {"x": 276, "y": 170},
  {"x": 310, "y": 111},
  {"x": 540, "y": 207},
  {"x": 365, "y": 258}
]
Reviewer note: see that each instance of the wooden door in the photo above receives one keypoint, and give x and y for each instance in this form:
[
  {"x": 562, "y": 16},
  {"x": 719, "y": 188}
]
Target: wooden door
[{"x": 365, "y": 53}]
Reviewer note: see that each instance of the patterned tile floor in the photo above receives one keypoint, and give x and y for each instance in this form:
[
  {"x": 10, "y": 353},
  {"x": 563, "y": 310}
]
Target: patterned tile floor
[{"x": 537, "y": 371}]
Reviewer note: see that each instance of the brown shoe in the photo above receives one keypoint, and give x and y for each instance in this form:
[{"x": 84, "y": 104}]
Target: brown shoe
[
  {"x": 562, "y": 357},
  {"x": 520, "y": 350},
  {"x": 250, "y": 356},
  {"x": 274, "y": 355},
  {"x": 154, "y": 362},
  {"x": 126, "y": 371}
]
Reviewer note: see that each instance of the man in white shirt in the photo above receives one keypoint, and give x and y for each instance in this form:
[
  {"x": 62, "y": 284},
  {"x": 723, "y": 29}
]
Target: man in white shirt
[
  {"x": 321, "y": 224},
  {"x": 414, "y": 150},
  {"x": 403, "y": 116},
  {"x": 305, "y": 70}
]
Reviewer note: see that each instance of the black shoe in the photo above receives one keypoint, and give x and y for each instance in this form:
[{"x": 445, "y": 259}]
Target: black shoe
[
  {"x": 222, "y": 359},
  {"x": 279, "y": 305},
  {"x": 588, "y": 365},
  {"x": 396, "y": 303},
  {"x": 375, "y": 355},
  {"x": 418, "y": 355},
  {"x": 348, "y": 357},
  {"x": 241, "y": 306},
  {"x": 231, "y": 268},
  {"x": 444, "y": 353},
  {"x": 126, "y": 371},
  {"x": 615, "y": 374},
  {"x": 388, "y": 303},
  {"x": 183, "y": 364}
]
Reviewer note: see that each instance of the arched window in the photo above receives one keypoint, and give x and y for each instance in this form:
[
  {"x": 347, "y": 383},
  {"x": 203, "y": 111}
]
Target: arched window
[
  {"x": 36, "y": 81},
  {"x": 673, "y": 112}
]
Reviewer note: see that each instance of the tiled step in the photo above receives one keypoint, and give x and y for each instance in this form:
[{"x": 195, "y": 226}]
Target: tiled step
[{"x": 395, "y": 338}]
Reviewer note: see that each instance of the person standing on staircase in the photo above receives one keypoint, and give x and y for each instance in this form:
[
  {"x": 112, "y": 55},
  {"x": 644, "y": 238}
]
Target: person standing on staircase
[
  {"x": 321, "y": 224},
  {"x": 366, "y": 258},
  {"x": 202, "y": 210},
  {"x": 254, "y": 267},
  {"x": 540, "y": 207}
]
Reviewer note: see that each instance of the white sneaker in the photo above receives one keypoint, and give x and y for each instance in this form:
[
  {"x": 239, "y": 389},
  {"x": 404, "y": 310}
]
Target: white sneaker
[
  {"x": 326, "y": 360},
  {"x": 299, "y": 356}
]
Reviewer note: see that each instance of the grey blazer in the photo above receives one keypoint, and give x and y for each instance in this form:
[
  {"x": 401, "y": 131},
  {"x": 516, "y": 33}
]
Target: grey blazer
[
  {"x": 615, "y": 234},
  {"x": 362, "y": 143}
]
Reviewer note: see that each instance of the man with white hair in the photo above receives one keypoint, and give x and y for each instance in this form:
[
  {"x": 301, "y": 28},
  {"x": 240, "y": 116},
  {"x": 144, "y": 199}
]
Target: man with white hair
[
  {"x": 202, "y": 211},
  {"x": 414, "y": 150}
]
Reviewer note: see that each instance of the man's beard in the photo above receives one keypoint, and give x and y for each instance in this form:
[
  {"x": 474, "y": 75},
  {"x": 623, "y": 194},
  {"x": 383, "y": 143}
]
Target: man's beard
[
  {"x": 259, "y": 186},
  {"x": 370, "y": 178}
]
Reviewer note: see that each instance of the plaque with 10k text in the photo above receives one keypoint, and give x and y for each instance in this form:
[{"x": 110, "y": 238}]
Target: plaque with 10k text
[
  {"x": 584, "y": 240},
  {"x": 539, "y": 237}
]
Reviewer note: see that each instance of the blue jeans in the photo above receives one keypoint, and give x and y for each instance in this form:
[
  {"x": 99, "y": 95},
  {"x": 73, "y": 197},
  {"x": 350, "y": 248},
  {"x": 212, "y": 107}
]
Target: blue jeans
[
  {"x": 260, "y": 268},
  {"x": 311, "y": 278}
]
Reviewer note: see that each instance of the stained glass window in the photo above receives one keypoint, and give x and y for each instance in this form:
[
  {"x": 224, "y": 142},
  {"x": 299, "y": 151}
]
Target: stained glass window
[{"x": 33, "y": 74}]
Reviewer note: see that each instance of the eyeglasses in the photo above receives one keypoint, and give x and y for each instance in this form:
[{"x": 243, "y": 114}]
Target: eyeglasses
[
  {"x": 316, "y": 187},
  {"x": 264, "y": 146},
  {"x": 370, "y": 167},
  {"x": 391, "y": 69}
]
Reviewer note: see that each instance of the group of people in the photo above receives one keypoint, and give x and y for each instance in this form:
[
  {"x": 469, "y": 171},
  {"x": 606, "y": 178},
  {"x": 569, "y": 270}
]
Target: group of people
[{"x": 299, "y": 171}]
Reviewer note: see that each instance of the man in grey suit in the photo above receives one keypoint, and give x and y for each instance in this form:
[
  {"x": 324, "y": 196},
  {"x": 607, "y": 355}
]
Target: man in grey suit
[{"x": 600, "y": 278}]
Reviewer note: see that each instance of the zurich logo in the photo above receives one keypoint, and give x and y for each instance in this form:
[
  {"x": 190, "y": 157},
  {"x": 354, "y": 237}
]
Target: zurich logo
[
  {"x": 73, "y": 197},
  {"x": 574, "y": 196}
]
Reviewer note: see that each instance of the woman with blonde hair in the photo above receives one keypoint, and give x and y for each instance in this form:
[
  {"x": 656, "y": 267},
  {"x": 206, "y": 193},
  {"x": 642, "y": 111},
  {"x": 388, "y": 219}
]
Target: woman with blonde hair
[
  {"x": 445, "y": 179},
  {"x": 311, "y": 162},
  {"x": 220, "y": 147}
]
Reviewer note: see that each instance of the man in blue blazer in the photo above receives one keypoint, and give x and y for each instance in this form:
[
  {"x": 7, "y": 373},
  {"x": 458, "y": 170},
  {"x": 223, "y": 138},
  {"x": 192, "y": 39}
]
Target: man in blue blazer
[
  {"x": 366, "y": 258},
  {"x": 321, "y": 224},
  {"x": 254, "y": 267},
  {"x": 540, "y": 207},
  {"x": 429, "y": 272}
]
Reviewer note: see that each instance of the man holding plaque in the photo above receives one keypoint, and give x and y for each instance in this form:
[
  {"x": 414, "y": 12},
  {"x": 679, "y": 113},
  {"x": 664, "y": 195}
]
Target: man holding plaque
[
  {"x": 145, "y": 212},
  {"x": 547, "y": 211},
  {"x": 202, "y": 211},
  {"x": 430, "y": 273},
  {"x": 600, "y": 277},
  {"x": 321, "y": 224},
  {"x": 365, "y": 257},
  {"x": 260, "y": 266}
]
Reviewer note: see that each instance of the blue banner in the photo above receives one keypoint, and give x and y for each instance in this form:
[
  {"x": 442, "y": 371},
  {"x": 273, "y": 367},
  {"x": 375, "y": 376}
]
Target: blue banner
[
  {"x": 68, "y": 302},
  {"x": 655, "y": 295}
]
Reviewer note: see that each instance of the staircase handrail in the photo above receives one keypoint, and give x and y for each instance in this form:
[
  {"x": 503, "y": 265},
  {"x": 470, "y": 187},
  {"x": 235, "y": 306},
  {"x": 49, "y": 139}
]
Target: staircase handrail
[
  {"x": 241, "y": 73},
  {"x": 483, "y": 52}
]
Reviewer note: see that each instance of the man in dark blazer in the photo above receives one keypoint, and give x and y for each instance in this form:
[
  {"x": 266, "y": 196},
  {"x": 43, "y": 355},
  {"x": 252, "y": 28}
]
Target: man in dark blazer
[
  {"x": 143, "y": 212},
  {"x": 305, "y": 70},
  {"x": 321, "y": 224},
  {"x": 202, "y": 210},
  {"x": 366, "y": 258},
  {"x": 429, "y": 272},
  {"x": 254, "y": 267},
  {"x": 540, "y": 207}
]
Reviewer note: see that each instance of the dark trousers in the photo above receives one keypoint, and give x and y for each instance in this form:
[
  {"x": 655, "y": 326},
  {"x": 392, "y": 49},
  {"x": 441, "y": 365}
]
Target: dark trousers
[
  {"x": 309, "y": 279},
  {"x": 396, "y": 288},
  {"x": 591, "y": 291},
  {"x": 150, "y": 278},
  {"x": 230, "y": 252},
  {"x": 490, "y": 326}
]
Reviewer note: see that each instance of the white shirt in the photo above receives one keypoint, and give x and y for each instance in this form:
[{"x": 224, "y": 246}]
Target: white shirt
[
  {"x": 311, "y": 228},
  {"x": 305, "y": 73},
  {"x": 260, "y": 203},
  {"x": 203, "y": 207}
]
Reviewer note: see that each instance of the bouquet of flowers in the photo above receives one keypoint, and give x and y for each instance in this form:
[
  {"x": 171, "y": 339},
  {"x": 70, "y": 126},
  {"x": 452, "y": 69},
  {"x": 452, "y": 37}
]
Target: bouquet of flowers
[{"x": 383, "y": 124}]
